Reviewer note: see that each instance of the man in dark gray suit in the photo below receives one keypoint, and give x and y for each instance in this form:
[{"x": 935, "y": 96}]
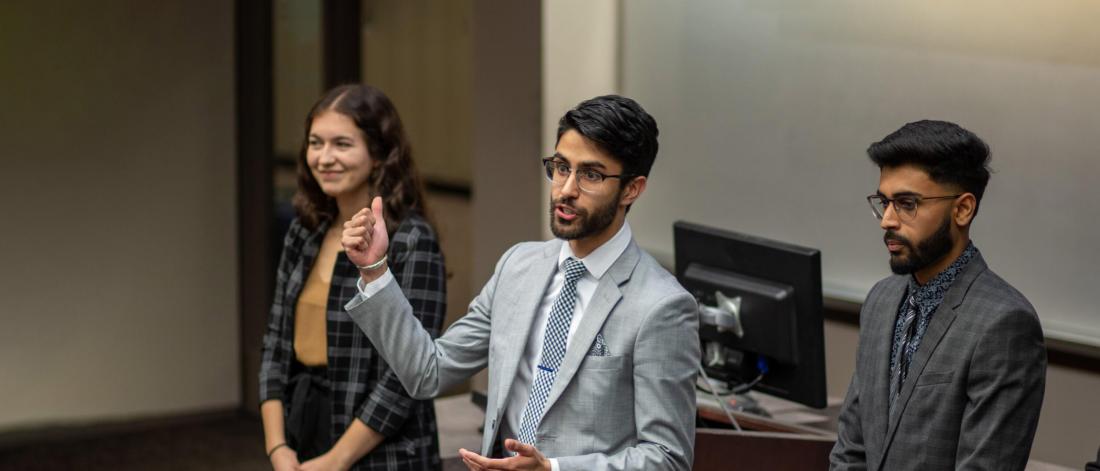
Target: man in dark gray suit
[
  {"x": 591, "y": 346},
  {"x": 951, "y": 364}
]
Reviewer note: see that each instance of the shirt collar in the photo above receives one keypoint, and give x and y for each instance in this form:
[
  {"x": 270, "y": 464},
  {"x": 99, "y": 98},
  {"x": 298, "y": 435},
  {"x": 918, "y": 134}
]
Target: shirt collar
[
  {"x": 931, "y": 294},
  {"x": 600, "y": 260}
]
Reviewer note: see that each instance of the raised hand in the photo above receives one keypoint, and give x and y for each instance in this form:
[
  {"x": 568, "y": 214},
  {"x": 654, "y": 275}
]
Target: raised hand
[{"x": 366, "y": 241}]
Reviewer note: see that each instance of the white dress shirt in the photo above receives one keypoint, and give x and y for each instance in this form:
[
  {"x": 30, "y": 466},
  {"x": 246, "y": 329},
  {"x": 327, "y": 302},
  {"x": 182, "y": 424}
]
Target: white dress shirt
[{"x": 596, "y": 265}]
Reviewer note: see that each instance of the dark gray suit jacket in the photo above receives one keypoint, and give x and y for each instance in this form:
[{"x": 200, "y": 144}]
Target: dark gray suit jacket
[{"x": 975, "y": 385}]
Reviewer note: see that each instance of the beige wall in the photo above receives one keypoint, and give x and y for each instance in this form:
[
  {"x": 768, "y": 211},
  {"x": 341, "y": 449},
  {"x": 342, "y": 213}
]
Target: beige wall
[
  {"x": 580, "y": 50},
  {"x": 420, "y": 52},
  {"x": 119, "y": 283},
  {"x": 297, "y": 59},
  {"x": 506, "y": 129}
]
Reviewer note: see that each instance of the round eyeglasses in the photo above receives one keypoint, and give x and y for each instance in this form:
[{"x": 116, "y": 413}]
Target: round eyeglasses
[{"x": 588, "y": 180}]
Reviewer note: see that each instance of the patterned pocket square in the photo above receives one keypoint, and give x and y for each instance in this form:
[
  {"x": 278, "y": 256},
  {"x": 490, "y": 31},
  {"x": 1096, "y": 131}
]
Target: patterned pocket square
[{"x": 599, "y": 347}]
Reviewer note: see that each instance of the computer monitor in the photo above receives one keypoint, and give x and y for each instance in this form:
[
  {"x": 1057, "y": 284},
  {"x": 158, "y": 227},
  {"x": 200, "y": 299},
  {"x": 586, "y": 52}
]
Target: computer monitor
[{"x": 761, "y": 322}]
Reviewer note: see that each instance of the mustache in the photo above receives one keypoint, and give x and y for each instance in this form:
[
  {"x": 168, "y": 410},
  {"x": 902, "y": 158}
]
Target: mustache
[
  {"x": 567, "y": 202},
  {"x": 893, "y": 236}
]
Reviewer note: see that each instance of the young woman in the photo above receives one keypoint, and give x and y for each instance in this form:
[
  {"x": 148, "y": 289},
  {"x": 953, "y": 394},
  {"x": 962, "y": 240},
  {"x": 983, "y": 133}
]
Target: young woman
[{"x": 328, "y": 400}]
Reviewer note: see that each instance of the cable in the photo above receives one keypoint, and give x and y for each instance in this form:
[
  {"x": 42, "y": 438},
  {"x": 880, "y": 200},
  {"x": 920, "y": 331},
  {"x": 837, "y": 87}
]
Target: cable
[
  {"x": 762, "y": 367},
  {"x": 721, "y": 403},
  {"x": 746, "y": 387}
]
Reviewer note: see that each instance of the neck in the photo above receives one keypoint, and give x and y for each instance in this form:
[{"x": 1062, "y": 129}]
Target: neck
[
  {"x": 582, "y": 247},
  {"x": 927, "y": 273}
]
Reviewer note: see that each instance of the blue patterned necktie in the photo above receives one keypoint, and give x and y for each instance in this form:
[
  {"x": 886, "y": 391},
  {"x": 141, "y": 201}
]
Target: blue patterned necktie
[
  {"x": 553, "y": 350},
  {"x": 901, "y": 365}
]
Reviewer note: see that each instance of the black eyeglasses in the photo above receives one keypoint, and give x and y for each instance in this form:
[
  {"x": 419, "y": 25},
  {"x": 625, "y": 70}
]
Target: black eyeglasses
[
  {"x": 588, "y": 180},
  {"x": 905, "y": 205}
]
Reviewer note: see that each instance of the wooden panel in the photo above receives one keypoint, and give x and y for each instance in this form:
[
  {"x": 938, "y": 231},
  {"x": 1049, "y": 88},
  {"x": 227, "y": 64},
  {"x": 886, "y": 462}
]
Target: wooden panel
[{"x": 723, "y": 450}]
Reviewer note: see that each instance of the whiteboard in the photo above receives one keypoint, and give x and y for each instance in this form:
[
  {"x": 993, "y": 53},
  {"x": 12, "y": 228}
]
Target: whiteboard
[{"x": 766, "y": 108}]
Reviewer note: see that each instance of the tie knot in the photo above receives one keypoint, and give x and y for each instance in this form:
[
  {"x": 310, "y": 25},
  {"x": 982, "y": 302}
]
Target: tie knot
[{"x": 574, "y": 269}]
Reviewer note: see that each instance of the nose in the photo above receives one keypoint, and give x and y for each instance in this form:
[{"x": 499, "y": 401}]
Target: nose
[
  {"x": 570, "y": 188},
  {"x": 889, "y": 217},
  {"x": 325, "y": 157}
]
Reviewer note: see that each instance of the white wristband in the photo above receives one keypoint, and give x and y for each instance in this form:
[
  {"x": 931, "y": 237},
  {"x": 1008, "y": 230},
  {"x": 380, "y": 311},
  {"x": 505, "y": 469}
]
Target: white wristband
[{"x": 373, "y": 265}]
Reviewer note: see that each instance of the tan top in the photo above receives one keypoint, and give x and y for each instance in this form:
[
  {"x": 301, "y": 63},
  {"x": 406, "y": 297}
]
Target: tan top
[{"x": 310, "y": 327}]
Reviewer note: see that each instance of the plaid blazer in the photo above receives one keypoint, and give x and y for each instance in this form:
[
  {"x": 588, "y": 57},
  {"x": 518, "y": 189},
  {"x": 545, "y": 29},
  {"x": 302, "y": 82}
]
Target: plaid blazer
[
  {"x": 974, "y": 390},
  {"x": 362, "y": 385}
]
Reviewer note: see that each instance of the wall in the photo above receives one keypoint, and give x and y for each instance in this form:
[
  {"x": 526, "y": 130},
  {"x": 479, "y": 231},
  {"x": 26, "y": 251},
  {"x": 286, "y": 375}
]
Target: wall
[
  {"x": 298, "y": 64},
  {"x": 580, "y": 51},
  {"x": 420, "y": 53},
  {"x": 507, "y": 80},
  {"x": 774, "y": 103},
  {"x": 119, "y": 289}
]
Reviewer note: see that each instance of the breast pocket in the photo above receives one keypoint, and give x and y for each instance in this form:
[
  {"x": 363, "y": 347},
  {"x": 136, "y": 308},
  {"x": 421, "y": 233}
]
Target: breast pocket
[
  {"x": 599, "y": 400},
  {"x": 934, "y": 378},
  {"x": 608, "y": 362}
]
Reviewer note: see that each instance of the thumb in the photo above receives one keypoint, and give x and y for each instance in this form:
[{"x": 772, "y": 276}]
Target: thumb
[
  {"x": 376, "y": 207},
  {"x": 519, "y": 447}
]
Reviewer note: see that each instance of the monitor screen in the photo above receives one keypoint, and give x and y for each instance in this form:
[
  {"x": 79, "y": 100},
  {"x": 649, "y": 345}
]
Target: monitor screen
[{"x": 761, "y": 322}]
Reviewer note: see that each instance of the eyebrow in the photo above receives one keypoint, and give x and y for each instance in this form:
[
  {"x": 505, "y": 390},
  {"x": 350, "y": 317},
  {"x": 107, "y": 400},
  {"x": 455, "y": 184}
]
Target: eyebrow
[
  {"x": 899, "y": 194},
  {"x": 589, "y": 164},
  {"x": 336, "y": 138}
]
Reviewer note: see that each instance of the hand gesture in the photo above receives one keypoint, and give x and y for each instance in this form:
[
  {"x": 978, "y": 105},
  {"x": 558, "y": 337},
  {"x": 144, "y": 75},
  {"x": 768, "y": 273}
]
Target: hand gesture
[
  {"x": 527, "y": 458},
  {"x": 366, "y": 241}
]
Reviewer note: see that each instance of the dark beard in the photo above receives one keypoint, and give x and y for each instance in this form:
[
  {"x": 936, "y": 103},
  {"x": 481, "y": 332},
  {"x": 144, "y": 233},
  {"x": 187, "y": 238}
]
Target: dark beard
[
  {"x": 929, "y": 251},
  {"x": 585, "y": 224}
]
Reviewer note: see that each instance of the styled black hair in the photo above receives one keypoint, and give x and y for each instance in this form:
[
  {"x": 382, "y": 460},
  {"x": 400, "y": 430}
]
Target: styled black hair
[
  {"x": 950, "y": 154},
  {"x": 618, "y": 126}
]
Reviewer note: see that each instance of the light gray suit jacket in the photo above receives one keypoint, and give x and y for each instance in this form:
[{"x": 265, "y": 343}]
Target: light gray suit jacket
[
  {"x": 975, "y": 384},
  {"x": 633, "y": 408}
]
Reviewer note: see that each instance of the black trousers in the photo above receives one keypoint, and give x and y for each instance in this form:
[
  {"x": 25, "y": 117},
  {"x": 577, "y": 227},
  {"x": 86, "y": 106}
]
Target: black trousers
[{"x": 309, "y": 421}]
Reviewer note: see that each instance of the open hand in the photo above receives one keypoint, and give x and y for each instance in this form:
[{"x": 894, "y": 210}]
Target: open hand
[{"x": 528, "y": 458}]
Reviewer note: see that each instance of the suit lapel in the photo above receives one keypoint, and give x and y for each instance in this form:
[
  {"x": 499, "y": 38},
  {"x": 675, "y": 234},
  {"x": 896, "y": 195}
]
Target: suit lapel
[
  {"x": 605, "y": 299},
  {"x": 529, "y": 293},
  {"x": 942, "y": 319},
  {"x": 885, "y": 312}
]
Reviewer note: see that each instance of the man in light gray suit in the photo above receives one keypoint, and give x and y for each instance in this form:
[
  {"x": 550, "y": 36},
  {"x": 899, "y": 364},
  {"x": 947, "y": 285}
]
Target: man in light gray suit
[
  {"x": 591, "y": 346},
  {"x": 951, "y": 364}
]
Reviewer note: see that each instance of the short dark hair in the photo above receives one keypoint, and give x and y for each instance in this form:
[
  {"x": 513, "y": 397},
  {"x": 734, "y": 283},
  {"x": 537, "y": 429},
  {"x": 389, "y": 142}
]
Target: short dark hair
[
  {"x": 949, "y": 153},
  {"x": 618, "y": 126}
]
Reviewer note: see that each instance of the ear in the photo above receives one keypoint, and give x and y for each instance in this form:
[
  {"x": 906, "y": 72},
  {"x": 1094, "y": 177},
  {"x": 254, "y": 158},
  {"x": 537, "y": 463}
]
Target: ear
[
  {"x": 965, "y": 207},
  {"x": 633, "y": 190}
]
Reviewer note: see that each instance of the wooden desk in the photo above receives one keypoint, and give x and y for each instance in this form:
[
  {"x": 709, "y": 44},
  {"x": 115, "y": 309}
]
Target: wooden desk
[{"x": 764, "y": 444}]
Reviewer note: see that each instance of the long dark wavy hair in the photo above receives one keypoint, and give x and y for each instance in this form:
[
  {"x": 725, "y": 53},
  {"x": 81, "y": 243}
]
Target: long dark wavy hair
[{"x": 393, "y": 174}]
